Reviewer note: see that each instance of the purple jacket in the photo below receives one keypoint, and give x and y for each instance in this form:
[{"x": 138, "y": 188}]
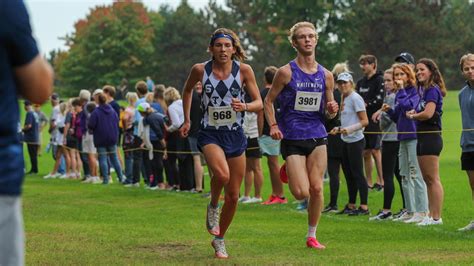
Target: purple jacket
[
  {"x": 406, "y": 100},
  {"x": 104, "y": 126}
]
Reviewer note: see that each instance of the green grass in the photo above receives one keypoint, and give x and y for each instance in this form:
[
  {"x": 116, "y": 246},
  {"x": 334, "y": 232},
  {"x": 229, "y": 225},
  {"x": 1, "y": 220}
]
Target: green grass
[{"x": 71, "y": 223}]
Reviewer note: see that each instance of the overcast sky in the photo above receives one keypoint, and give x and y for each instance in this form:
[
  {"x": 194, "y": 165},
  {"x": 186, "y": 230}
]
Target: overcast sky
[{"x": 52, "y": 19}]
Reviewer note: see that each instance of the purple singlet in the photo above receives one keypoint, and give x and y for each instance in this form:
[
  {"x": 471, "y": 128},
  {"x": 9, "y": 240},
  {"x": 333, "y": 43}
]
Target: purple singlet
[{"x": 302, "y": 104}]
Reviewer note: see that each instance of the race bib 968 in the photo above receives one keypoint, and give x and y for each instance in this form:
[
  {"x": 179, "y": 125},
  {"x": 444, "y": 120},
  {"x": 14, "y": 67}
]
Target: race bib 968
[{"x": 221, "y": 116}]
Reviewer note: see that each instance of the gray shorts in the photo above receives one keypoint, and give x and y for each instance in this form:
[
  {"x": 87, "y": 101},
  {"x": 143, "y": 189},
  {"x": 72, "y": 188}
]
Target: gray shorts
[{"x": 12, "y": 238}]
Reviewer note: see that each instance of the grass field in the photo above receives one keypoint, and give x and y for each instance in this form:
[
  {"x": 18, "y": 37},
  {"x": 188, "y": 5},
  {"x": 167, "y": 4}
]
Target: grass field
[{"x": 71, "y": 223}]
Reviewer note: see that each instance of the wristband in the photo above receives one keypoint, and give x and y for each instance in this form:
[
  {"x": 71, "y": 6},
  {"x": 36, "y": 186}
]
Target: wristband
[{"x": 274, "y": 125}]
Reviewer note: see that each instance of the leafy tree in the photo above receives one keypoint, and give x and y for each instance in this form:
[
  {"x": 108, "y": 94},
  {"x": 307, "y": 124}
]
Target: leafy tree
[
  {"x": 112, "y": 43},
  {"x": 181, "y": 42}
]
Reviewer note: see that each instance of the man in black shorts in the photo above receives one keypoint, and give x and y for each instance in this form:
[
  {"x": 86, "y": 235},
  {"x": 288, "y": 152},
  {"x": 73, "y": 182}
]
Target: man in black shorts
[{"x": 371, "y": 88}]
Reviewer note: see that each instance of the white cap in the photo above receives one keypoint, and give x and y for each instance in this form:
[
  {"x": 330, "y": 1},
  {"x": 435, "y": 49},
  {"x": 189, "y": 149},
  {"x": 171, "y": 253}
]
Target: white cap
[
  {"x": 97, "y": 91},
  {"x": 142, "y": 107},
  {"x": 345, "y": 76}
]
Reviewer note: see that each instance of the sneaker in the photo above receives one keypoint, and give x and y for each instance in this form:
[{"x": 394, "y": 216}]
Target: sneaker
[
  {"x": 253, "y": 200},
  {"x": 244, "y": 199},
  {"x": 430, "y": 221},
  {"x": 50, "y": 175},
  {"x": 416, "y": 218},
  {"x": 311, "y": 242},
  {"x": 275, "y": 200},
  {"x": 469, "y": 227},
  {"x": 96, "y": 180},
  {"x": 88, "y": 180},
  {"x": 136, "y": 184},
  {"x": 359, "y": 211},
  {"x": 382, "y": 216},
  {"x": 330, "y": 209},
  {"x": 400, "y": 213},
  {"x": 153, "y": 188},
  {"x": 212, "y": 220},
  {"x": 219, "y": 248},
  {"x": 346, "y": 210},
  {"x": 64, "y": 176},
  {"x": 377, "y": 187},
  {"x": 403, "y": 217},
  {"x": 302, "y": 205}
]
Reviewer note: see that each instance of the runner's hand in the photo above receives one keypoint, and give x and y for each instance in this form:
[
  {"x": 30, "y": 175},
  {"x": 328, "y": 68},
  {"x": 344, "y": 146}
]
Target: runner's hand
[
  {"x": 275, "y": 132},
  {"x": 184, "y": 130},
  {"x": 237, "y": 105},
  {"x": 332, "y": 107}
]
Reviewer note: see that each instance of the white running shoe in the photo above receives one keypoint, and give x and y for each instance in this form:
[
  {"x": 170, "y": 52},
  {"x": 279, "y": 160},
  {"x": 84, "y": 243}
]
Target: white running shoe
[
  {"x": 64, "y": 176},
  {"x": 417, "y": 218},
  {"x": 50, "y": 175},
  {"x": 244, "y": 199},
  {"x": 96, "y": 180},
  {"x": 430, "y": 221},
  {"x": 88, "y": 180},
  {"x": 403, "y": 217},
  {"x": 253, "y": 200},
  {"x": 469, "y": 227}
]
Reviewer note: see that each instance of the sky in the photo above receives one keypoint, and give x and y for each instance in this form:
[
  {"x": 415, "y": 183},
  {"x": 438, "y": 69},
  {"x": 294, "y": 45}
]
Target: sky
[{"x": 52, "y": 19}]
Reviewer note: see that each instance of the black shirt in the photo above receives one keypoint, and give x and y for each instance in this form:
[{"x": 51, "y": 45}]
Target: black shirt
[
  {"x": 372, "y": 91},
  {"x": 196, "y": 114}
]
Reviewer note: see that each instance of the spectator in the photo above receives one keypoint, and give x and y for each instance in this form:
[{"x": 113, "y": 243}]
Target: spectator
[
  {"x": 109, "y": 92},
  {"x": 103, "y": 124},
  {"x": 43, "y": 121},
  {"x": 23, "y": 71},
  {"x": 150, "y": 84},
  {"x": 84, "y": 98},
  {"x": 128, "y": 138},
  {"x": 88, "y": 146},
  {"x": 370, "y": 87},
  {"x": 71, "y": 140},
  {"x": 196, "y": 116},
  {"x": 31, "y": 136}
]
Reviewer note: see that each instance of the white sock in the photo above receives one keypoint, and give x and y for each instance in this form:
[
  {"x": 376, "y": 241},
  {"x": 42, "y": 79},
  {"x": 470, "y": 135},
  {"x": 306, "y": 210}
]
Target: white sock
[{"x": 312, "y": 231}]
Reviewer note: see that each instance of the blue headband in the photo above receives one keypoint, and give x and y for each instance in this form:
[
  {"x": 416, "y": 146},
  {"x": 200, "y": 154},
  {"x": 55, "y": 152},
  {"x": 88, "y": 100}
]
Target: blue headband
[{"x": 221, "y": 35}]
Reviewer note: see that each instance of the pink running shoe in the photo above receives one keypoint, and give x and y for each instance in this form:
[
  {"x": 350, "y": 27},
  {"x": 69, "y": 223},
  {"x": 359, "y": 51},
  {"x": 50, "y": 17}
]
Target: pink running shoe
[
  {"x": 219, "y": 248},
  {"x": 275, "y": 200},
  {"x": 311, "y": 242}
]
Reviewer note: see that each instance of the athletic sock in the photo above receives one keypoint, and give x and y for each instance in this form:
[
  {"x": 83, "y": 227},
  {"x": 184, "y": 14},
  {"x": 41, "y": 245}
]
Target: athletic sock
[
  {"x": 218, "y": 238},
  {"x": 312, "y": 231}
]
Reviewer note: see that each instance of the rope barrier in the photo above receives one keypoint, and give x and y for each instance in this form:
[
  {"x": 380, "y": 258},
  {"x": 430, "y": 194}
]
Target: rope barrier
[{"x": 273, "y": 145}]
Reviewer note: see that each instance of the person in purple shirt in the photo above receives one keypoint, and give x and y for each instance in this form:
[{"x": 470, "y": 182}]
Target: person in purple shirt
[
  {"x": 414, "y": 188},
  {"x": 427, "y": 115},
  {"x": 304, "y": 90}
]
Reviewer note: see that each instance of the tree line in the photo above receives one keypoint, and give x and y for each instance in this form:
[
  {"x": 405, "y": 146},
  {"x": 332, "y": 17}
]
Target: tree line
[{"x": 125, "y": 41}]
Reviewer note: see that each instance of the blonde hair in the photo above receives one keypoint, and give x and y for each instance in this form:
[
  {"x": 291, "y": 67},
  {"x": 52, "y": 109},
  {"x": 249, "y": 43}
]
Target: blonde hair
[
  {"x": 171, "y": 95},
  {"x": 62, "y": 108},
  {"x": 464, "y": 58},
  {"x": 85, "y": 95},
  {"x": 239, "y": 50},
  {"x": 149, "y": 97},
  {"x": 132, "y": 97},
  {"x": 304, "y": 24},
  {"x": 340, "y": 68}
]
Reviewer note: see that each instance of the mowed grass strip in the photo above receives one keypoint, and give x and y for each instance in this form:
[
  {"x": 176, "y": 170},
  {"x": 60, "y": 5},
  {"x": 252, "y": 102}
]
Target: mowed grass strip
[{"x": 69, "y": 223}]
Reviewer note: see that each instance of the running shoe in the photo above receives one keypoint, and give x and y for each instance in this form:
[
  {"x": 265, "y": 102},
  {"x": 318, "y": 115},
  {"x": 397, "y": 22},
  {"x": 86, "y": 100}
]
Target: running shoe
[
  {"x": 275, "y": 200},
  {"x": 244, "y": 199},
  {"x": 283, "y": 175},
  {"x": 417, "y": 218},
  {"x": 346, "y": 210},
  {"x": 312, "y": 242},
  {"x": 253, "y": 200},
  {"x": 382, "y": 216},
  {"x": 219, "y": 248},
  {"x": 330, "y": 209},
  {"x": 427, "y": 221},
  {"x": 403, "y": 217},
  {"x": 400, "y": 213},
  {"x": 469, "y": 227},
  {"x": 377, "y": 187},
  {"x": 302, "y": 205},
  {"x": 359, "y": 212},
  {"x": 212, "y": 220}
]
